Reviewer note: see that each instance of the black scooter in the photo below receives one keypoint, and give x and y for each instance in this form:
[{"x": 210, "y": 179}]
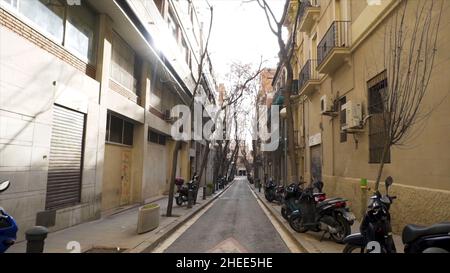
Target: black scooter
[
  {"x": 291, "y": 199},
  {"x": 332, "y": 216},
  {"x": 183, "y": 190},
  {"x": 376, "y": 231},
  {"x": 273, "y": 192}
]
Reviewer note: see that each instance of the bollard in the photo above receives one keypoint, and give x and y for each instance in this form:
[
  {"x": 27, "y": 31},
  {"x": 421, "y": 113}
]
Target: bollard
[
  {"x": 190, "y": 198},
  {"x": 35, "y": 237}
]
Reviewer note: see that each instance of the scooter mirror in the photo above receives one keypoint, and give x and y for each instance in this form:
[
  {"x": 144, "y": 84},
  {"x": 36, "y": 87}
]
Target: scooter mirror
[
  {"x": 4, "y": 185},
  {"x": 388, "y": 182}
]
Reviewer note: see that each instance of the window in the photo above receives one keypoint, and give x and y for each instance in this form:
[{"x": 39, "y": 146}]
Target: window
[
  {"x": 173, "y": 27},
  {"x": 156, "y": 93},
  {"x": 122, "y": 63},
  {"x": 156, "y": 137},
  {"x": 185, "y": 51},
  {"x": 342, "y": 118},
  {"x": 119, "y": 130},
  {"x": 70, "y": 26},
  {"x": 80, "y": 34},
  {"x": 377, "y": 131}
]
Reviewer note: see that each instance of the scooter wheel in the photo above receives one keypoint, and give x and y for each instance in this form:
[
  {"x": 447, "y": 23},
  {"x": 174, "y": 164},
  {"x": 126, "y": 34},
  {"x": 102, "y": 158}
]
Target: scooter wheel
[
  {"x": 269, "y": 198},
  {"x": 179, "y": 201},
  {"x": 284, "y": 213},
  {"x": 353, "y": 249},
  {"x": 344, "y": 229},
  {"x": 296, "y": 224}
]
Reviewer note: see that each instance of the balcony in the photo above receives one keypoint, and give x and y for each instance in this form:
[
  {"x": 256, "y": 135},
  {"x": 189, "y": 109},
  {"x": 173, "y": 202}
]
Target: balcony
[
  {"x": 308, "y": 14},
  {"x": 309, "y": 79},
  {"x": 334, "y": 48}
]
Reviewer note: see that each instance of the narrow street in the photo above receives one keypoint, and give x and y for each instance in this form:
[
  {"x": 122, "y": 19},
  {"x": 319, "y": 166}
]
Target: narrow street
[{"x": 234, "y": 223}]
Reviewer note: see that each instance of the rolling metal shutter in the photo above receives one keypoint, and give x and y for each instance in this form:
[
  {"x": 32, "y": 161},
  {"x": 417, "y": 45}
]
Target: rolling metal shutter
[{"x": 65, "y": 162}]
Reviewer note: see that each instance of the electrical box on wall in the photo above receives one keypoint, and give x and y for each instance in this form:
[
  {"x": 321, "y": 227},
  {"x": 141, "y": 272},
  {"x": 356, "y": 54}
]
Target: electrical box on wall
[{"x": 353, "y": 113}]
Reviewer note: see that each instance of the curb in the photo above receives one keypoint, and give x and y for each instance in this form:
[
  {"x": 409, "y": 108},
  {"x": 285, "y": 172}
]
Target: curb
[
  {"x": 280, "y": 221},
  {"x": 148, "y": 245}
]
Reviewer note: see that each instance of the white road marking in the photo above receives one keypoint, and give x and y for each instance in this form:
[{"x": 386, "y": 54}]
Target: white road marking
[
  {"x": 172, "y": 238},
  {"x": 283, "y": 234}
]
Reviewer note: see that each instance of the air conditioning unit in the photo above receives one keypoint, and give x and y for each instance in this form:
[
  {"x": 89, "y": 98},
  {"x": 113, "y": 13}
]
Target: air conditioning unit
[
  {"x": 353, "y": 115},
  {"x": 326, "y": 106}
]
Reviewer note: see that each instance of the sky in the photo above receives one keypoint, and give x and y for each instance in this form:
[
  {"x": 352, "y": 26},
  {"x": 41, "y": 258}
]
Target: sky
[{"x": 241, "y": 33}]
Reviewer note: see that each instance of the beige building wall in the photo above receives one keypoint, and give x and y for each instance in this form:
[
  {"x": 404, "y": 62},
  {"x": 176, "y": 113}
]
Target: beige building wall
[
  {"x": 32, "y": 80},
  {"x": 420, "y": 168}
]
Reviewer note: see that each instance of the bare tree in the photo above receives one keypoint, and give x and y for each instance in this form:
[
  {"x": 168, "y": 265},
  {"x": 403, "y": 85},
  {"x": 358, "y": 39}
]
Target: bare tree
[
  {"x": 178, "y": 143},
  {"x": 285, "y": 54},
  {"x": 240, "y": 80},
  {"x": 409, "y": 58}
]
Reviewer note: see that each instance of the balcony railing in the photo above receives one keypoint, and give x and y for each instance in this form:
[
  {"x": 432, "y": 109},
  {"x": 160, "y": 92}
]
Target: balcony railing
[
  {"x": 337, "y": 36},
  {"x": 308, "y": 73}
]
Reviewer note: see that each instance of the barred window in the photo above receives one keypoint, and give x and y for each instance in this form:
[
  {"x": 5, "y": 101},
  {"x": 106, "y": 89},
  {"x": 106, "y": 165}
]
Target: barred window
[
  {"x": 156, "y": 137},
  {"x": 377, "y": 130}
]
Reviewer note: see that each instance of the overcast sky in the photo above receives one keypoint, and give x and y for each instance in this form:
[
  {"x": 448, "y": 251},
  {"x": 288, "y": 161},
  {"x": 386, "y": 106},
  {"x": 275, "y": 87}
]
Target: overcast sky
[{"x": 240, "y": 32}]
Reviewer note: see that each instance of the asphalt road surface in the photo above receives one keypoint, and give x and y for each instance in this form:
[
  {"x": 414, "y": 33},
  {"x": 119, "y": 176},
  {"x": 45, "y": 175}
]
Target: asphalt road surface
[{"x": 235, "y": 223}]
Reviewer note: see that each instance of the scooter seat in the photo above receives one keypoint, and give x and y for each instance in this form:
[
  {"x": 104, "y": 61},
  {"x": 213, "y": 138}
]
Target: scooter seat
[
  {"x": 330, "y": 201},
  {"x": 412, "y": 232}
]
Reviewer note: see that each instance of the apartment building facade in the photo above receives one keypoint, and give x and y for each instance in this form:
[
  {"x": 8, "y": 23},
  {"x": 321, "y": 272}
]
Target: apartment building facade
[
  {"x": 339, "y": 65},
  {"x": 85, "y": 100}
]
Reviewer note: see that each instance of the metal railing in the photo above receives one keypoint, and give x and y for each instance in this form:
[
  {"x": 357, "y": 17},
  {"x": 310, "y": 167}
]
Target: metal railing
[
  {"x": 337, "y": 36},
  {"x": 307, "y": 73}
]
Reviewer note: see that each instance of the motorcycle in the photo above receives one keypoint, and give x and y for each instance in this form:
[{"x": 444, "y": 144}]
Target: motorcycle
[
  {"x": 291, "y": 199},
  {"x": 220, "y": 182},
  {"x": 8, "y": 226},
  {"x": 376, "y": 230},
  {"x": 273, "y": 192},
  {"x": 316, "y": 213},
  {"x": 183, "y": 190}
]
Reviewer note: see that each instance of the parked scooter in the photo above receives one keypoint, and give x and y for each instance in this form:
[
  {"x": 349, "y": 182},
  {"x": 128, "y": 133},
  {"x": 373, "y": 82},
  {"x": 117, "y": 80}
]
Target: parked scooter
[
  {"x": 8, "y": 226},
  {"x": 183, "y": 190},
  {"x": 376, "y": 227},
  {"x": 221, "y": 182},
  {"x": 273, "y": 192},
  {"x": 331, "y": 216},
  {"x": 291, "y": 199}
]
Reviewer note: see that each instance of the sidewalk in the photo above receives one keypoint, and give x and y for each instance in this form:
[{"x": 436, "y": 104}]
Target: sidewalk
[
  {"x": 310, "y": 241},
  {"x": 117, "y": 232}
]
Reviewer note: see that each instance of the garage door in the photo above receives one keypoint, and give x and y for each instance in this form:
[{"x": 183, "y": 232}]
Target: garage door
[
  {"x": 157, "y": 162},
  {"x": 65, "y": 161}
]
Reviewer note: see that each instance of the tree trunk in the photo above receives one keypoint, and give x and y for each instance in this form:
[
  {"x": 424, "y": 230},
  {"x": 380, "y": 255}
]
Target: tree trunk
[
  {"x": 172, "y": 177},
  {"x": 290, "y": 127},
  {"x": 202, "y": 167},
  {"x": 380, "y": 169}
]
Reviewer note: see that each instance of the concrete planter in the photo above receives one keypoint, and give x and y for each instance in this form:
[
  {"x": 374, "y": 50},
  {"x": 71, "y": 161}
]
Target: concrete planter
[
  {"x": 148, "y": 218},
  {"x": 209, "y": 189}
]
